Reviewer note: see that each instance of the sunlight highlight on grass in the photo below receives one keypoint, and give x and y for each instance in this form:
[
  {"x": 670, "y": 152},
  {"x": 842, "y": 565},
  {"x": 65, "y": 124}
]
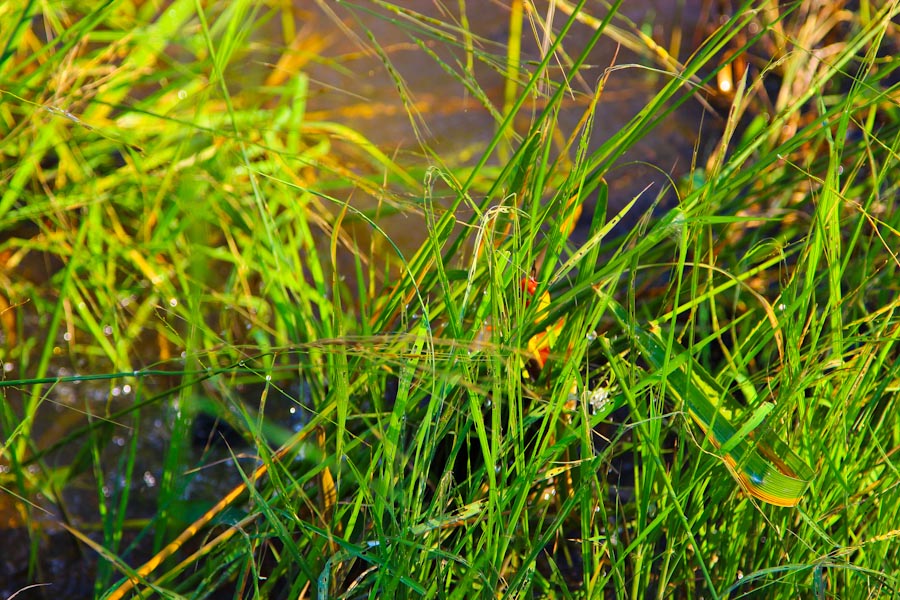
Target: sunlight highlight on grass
[{"x": 224, "y": 374}]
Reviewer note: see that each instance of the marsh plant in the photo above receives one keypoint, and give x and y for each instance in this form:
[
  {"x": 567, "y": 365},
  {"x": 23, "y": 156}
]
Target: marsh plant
[{"x": 225, "y": 375}]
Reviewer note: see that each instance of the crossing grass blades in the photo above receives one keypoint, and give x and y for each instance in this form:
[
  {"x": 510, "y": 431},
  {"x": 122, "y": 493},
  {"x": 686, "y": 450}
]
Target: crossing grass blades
[{"x": 700, "y": 403}]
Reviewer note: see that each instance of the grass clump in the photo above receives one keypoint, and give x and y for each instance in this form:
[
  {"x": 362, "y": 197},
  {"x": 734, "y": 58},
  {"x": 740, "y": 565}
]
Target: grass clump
[{"x": 504, "y": 409}]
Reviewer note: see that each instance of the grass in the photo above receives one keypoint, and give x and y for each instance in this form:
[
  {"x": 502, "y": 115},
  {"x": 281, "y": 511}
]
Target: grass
[{"x": 417, "y": 422}]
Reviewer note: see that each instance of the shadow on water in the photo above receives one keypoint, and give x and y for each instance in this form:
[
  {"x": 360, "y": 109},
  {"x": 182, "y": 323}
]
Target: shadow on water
[{"x": 350, "y": 84}]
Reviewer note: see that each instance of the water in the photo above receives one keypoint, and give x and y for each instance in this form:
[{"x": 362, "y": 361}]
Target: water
[{"x": 449, "y": 122}]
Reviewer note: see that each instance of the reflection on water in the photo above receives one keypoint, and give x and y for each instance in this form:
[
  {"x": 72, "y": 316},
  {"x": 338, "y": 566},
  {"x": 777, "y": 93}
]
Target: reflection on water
[{"x": 352, "y": 85}]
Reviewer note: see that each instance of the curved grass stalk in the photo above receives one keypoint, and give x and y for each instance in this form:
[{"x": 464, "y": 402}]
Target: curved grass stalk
[{"x": 764, "y": 466}]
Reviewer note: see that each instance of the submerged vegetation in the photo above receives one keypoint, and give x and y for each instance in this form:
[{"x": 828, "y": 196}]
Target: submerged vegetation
[{"x": 225, "y": 376}]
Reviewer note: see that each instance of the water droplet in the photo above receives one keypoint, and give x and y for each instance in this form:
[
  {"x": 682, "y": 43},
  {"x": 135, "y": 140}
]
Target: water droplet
[{"x": 149, "y": 479}]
